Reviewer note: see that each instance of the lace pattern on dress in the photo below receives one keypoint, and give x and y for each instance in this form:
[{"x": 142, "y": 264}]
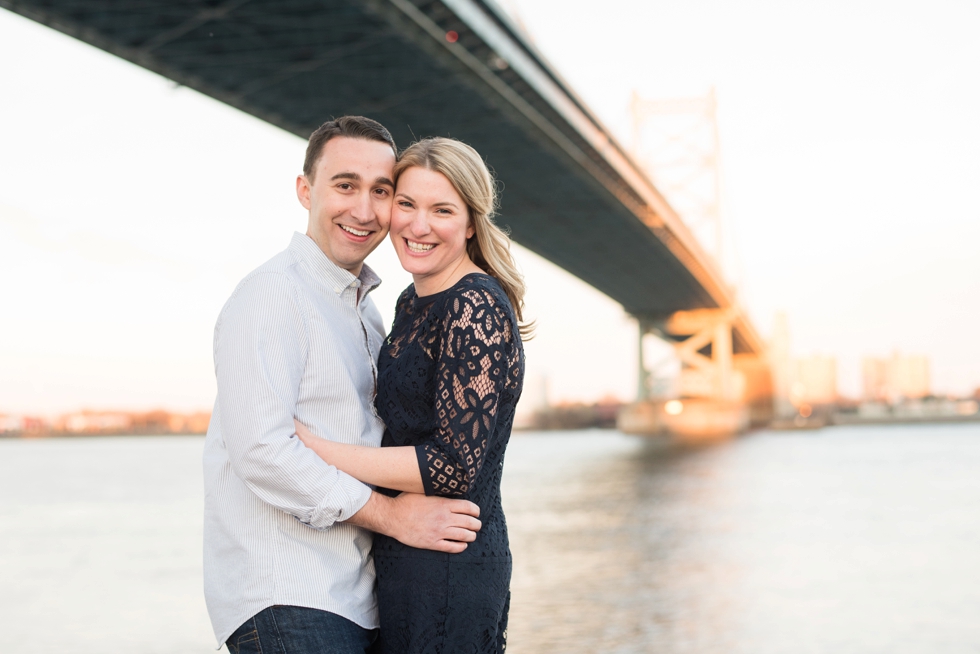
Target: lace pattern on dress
[{"x": 472, "y": 370}]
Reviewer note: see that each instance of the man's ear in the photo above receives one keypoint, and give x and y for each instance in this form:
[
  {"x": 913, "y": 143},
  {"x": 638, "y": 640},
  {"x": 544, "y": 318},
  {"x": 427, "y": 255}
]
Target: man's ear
[{"x": 303, "y": 191}]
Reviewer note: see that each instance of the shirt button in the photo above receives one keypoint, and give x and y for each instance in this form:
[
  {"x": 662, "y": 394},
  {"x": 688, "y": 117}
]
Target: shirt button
[{"x": 336, "y": 289}]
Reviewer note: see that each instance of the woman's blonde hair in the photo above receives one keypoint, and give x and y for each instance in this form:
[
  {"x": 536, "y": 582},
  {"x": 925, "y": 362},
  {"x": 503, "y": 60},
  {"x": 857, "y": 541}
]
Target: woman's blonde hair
[{"x": 489, "y": 247}]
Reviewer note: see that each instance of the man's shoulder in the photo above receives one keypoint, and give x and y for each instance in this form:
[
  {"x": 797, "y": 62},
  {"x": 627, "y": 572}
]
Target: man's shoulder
[
  {"x": 270, "y": 287},
  {"x": 277, "y": 272},
  {"x": 283, "y": 263}
]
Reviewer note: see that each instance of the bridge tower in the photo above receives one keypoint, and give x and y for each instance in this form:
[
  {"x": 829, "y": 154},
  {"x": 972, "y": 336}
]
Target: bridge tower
[
  {"x": 676, "y": 141},
  {"x": 717, "y": 392}
]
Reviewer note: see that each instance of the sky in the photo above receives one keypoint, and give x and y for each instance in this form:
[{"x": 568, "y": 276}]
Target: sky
[{"x": 130, "y": 207}]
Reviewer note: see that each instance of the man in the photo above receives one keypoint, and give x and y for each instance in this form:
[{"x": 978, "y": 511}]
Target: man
[{"x": 286, "y": 536}]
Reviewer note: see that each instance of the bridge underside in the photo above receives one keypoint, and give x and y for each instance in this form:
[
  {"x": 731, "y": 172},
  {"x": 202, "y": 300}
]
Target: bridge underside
[{"x": 568, "y": 195}]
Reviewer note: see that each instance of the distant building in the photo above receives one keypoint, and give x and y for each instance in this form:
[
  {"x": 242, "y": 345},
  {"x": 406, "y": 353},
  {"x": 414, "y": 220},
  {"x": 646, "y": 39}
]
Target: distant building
[
  {"x": 814, "y": 380},
  {"x": 19, "y": 425},
  {"x": 95, "y": 422},
  {"x": 194, "y": 423},
  {"x": 874, "y": 375},
  {"x": 782, "y": 368},
  {"x": 577, "y": 415},
  {"x": 895, "y": 378},
  {"x": 89, "y": 422},
  {"x": 10, "y": 424},
  {"x": 909, "y": 376}
]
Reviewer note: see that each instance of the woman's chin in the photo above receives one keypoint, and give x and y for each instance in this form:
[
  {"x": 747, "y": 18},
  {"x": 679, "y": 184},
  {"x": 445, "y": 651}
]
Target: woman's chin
[{"x": 414, "y": 266}]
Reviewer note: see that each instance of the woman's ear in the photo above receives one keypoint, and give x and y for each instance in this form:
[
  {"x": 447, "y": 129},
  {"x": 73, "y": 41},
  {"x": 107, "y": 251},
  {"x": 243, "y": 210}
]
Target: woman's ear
[{"x": 470, "y": 229}]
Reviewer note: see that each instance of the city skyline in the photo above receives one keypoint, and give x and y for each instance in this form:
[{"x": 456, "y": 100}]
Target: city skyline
[{"x": 117, "y": 197}]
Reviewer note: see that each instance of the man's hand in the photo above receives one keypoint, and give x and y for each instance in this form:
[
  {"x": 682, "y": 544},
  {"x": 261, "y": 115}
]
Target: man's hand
[{"x": 429, "y": 523}]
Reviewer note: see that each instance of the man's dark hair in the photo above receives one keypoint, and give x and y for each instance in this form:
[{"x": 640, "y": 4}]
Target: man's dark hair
[{"x": 355, "y": 127}]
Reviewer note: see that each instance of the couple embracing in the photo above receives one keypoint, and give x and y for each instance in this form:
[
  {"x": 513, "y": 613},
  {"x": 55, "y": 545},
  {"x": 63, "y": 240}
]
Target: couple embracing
[{"x": 314, "y": 536}]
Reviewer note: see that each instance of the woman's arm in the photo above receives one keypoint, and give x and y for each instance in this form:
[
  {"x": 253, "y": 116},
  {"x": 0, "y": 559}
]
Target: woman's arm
[
  {"x": 396, "y": 468},
  {"x": 473, "y": 365},
  {"x": 472, "y": 370}
]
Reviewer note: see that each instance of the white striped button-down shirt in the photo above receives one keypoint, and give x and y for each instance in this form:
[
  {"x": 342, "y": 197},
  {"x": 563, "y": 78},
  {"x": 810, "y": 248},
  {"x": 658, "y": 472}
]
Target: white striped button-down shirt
[{"x": 299, "y": 338}]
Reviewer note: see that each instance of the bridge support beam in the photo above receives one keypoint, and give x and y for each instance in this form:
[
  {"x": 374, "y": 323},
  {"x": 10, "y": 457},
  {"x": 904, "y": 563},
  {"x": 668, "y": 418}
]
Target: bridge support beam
[
  {"x": 709, "y": 375},
  {"x": 718, "y": 393}
]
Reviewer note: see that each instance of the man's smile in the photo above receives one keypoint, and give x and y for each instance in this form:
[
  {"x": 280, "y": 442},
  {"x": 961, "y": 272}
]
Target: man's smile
[{"x": 356, "y": 232}]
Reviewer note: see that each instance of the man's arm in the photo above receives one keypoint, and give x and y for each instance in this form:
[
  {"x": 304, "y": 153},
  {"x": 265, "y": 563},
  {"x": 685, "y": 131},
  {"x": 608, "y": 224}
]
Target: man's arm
[
  {"x": 260, "y": 355},
  {"x": 429, "y": 523}
]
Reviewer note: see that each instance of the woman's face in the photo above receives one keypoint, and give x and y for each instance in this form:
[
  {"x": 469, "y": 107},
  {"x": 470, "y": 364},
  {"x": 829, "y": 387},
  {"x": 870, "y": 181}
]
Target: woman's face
[{"x": 429, "y": 225}]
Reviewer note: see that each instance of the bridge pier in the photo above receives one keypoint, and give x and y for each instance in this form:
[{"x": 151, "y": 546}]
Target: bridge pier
[
  {"x": 719, "y": 393},
  {"x": 642, "y": 371}
]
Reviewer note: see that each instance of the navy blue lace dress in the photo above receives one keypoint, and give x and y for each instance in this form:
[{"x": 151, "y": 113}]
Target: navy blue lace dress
[{"x": 449, "y": 377}]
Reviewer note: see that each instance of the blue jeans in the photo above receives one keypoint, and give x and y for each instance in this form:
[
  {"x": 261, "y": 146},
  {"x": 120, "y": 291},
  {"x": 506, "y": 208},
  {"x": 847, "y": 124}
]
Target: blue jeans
[{"x": 298, "y": 630}]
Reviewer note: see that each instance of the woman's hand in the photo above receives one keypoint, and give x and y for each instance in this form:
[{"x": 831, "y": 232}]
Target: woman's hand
[
  {"x": 305, "y": 434},
  {"x": 323, "y": 448}
]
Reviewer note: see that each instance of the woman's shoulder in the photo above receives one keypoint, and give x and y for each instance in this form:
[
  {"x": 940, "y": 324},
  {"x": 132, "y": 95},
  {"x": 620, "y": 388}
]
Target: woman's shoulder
[
  {"x": 405, "y": 299},
  {"x": 407, "y": 294},
  {"x": 476, "y": 296},
  {"x": 478, "y": 288}
]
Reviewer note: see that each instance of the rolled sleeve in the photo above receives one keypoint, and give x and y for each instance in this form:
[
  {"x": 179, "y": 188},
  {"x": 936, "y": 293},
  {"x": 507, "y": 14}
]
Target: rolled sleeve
[{"x": 349, "y": 497}]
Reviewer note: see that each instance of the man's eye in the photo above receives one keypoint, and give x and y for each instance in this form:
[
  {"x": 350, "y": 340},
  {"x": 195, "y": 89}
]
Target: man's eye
[
  {"x": 383, "y": 192},
  {"x": 345, "y": 186}
]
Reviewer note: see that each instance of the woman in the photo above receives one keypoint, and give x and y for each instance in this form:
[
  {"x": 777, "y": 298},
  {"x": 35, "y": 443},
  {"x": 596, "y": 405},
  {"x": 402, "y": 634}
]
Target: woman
[{"x": 449, "y": 377}]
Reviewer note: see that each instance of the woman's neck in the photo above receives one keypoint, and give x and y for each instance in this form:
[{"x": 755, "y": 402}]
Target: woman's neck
[{"x": 446, "y": 278}]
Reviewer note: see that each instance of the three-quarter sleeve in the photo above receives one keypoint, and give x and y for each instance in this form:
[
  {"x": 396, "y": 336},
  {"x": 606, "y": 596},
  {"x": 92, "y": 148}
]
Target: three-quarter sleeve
[{"x": 471, "y": 373}]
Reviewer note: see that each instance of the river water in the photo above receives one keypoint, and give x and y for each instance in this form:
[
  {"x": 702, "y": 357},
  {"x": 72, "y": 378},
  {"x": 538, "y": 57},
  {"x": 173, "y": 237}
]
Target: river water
[{"x": 862, "y": 539}]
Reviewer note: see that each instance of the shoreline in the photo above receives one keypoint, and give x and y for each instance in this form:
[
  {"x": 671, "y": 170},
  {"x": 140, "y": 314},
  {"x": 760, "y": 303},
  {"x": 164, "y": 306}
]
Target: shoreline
[{"x": 37, "y": 436}]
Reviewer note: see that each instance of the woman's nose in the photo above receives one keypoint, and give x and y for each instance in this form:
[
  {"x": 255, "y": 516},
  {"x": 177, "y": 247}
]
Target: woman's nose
[{"x": 420, "y": 224}]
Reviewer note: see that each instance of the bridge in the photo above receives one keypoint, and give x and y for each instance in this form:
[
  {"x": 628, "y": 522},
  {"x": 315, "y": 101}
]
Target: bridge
[{"x": 455, "y": 68}]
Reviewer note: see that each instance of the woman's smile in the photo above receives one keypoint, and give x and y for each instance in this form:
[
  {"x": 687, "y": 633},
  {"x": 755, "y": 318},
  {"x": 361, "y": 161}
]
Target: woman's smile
[{"x": 416, "y": 247}]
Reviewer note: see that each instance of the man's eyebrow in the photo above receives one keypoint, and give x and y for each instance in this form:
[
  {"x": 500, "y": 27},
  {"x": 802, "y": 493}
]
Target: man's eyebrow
[
  {"x": 384, "y": 181},
  {"x": 346, "y": 175}
]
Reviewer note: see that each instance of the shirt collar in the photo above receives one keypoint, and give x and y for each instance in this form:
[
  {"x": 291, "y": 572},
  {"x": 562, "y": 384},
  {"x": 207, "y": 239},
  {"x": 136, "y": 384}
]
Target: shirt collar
[{"x": 310, "y": 254}]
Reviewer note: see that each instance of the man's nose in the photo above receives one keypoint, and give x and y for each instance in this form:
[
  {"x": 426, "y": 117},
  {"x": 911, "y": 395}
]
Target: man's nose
[{"x": 363, "y": 209}]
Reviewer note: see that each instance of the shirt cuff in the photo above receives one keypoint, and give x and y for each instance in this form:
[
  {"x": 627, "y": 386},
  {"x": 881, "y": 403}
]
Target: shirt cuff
[{"x": 347, "y": 497}]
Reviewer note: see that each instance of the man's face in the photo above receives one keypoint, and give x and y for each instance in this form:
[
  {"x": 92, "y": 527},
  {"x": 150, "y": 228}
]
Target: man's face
[{"x": 349, "y": 200}]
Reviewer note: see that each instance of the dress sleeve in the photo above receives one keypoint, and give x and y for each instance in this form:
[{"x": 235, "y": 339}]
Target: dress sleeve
[{"x": 471, "y": 373}]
